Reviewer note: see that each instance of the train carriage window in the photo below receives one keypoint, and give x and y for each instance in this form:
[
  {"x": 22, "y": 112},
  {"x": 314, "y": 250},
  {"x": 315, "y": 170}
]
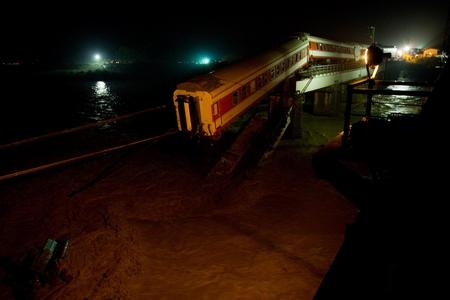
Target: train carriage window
[
  {"x": 265, "y": 77},
  {"x": 258, "y": 82},
  {"x": 252, "y": 87},
  {"x": 261, "y": 81},
  {"x": 235, "y": 98},
  {"x": 244, "y": 92}
]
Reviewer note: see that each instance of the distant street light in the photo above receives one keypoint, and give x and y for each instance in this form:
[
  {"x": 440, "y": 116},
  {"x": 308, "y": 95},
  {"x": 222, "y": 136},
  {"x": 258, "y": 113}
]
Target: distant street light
[
  {"x": 97, "y": 57},
  {"x": 205, "y": 61}
]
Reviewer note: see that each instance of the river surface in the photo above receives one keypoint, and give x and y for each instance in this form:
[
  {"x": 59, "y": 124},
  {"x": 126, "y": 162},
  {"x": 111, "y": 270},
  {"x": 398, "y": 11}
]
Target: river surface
[
  {"x": 38, "y": 101},
  {"x": 39, "y": 106},
  {"x": 384, "y": 106}
]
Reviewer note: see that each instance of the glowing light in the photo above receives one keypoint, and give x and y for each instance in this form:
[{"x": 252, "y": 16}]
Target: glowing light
[
  {"x": 374, "y": 72},
  {"x": 205, "y": 61},
  {"x": 365, "y": 56},
  {"x": 101, "y": 89},
  {"x": 406, "y": 48},
  {"x": 97, "y": 57}
]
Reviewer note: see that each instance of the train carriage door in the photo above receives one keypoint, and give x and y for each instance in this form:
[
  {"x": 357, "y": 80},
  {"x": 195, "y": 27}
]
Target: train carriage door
[{"x": 188, "y": 113}]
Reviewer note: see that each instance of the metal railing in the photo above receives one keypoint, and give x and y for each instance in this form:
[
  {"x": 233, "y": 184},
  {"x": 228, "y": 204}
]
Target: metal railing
[
  {"x": 328, "y": 69},
  {"x": 370, "y": 87}
]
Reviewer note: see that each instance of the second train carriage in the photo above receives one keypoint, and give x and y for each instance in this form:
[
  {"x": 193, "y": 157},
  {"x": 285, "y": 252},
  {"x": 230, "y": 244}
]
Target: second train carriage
[
  {"x": 208, "y": 103},
  {"x": 328, "y": 52}
]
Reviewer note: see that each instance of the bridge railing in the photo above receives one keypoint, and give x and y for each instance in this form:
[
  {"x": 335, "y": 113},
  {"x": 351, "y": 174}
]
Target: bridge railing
[{"x": 327, "y": 69}]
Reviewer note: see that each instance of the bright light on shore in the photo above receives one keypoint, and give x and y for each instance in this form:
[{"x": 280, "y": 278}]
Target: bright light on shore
[
  {"x": 406, "y": 48},
  {"x": 97, "y": 57},
  {"x": 205, "y": 61}
]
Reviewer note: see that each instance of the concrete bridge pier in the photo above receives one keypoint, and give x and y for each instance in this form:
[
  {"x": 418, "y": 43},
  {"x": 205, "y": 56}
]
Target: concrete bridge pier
[
  {"x": 291, "y": 98},
  {"x": 327, "y": 100},
  {"x": 287, "y": 100}
]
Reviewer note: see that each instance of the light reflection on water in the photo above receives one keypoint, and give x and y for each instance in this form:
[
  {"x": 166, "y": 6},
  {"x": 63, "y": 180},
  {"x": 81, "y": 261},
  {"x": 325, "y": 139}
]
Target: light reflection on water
[
  {"x": 70, "y": 102},
  {"x": 396, "y": 87},
  {"x": 102, "y": 101},
  {"x": 101, "y": 89},
  {"x": 385, "y": 105}
]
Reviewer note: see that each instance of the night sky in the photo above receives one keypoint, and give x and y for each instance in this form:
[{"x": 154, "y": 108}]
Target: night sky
[{"x": 71, "y": 32}]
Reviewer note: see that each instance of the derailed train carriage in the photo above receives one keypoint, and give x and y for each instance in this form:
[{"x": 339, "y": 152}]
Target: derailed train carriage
[{"x": 206, "y": 104}]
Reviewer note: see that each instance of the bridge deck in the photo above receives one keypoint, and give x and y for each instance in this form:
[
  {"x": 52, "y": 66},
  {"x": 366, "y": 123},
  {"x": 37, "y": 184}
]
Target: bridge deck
[{"x": 319, "y": 77}]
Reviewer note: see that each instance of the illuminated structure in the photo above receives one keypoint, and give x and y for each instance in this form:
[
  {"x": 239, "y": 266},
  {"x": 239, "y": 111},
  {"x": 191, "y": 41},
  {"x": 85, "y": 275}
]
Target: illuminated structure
[
  {"x": 430, "y": 52},
  {"x": 208, "y": 103}
]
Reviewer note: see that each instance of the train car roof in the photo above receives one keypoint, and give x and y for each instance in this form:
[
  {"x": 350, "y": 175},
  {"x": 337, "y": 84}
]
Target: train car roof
[
  {"x": 222, "y": 78},
  {"x": 328, "y": 41}
]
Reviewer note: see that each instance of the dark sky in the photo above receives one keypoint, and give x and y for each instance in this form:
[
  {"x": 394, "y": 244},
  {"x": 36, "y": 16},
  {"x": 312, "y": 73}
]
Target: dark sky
[{"x": 71, "y": 31}]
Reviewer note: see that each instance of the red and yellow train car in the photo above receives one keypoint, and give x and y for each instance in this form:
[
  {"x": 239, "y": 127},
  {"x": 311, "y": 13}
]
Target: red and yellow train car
[{"x": 208, "y": 103}]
